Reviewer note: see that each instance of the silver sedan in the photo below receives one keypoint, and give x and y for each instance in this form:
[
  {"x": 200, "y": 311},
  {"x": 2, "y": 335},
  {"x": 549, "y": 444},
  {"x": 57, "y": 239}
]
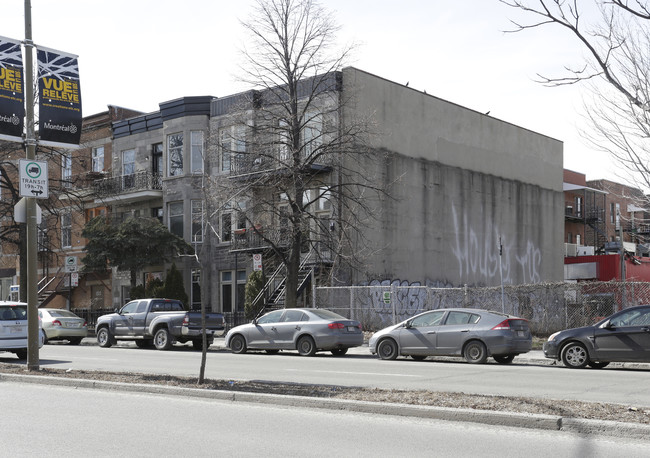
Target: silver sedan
[
  {"x": 305, "y": 330},
  {"x": 471, "y": 333}
]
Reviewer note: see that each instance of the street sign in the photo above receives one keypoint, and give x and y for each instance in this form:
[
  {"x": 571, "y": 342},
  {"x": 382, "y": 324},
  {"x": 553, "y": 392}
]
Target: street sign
[
  {"x": 20, "y": 212},
  {"x": 70, "y": 264},
  {"x": 257, "y": 262},
  {"x": 33, "y": 179},
  {"x": 387, "y": 297},
  {"x": 74, "y": 279}
]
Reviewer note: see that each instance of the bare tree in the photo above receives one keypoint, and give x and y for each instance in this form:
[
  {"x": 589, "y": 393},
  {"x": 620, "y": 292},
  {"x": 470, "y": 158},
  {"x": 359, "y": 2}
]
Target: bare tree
[
  {"x": 294, "y": 158},
  {"x": 616, "y": 69},
  {"x": 67, "y": 195}
]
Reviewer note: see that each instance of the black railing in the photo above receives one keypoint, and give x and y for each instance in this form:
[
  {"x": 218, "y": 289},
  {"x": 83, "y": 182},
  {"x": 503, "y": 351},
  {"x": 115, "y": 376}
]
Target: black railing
[
  {"x": 138, "y": 181},
  {"x": 251, "y": 238},
  {"x": 91, "y": 315}
]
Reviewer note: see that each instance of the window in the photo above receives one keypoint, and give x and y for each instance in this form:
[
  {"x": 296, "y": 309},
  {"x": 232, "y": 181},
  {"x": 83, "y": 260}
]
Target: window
[
  {"x": 175, "y": 154},
  {"x": 197, "y": 221},
  {"x": 283, "y": 140},
  {"x": 176, "y": 218},
  {"x": 579, "y": 206},
  {"x": 461, "y": 318},
  {"x": 195, "y": 300},
  {"x": 232, "y": 299},
  {"x": 578, "y": 239},
  {"x": 66, "y": 170},
  {"x": 66, "y": 230},
  {"x": 427, "y": 319},
  {"x": 232, "y": 141},
  {"x": 612, "y": 212},
  {"x": 312, "y": 132},
  {"x": 156, "y": 158},
  {"x": 98, "y": 159},
  {"x": 569, "y": 237},
  {"x": 273, "y": 317},
  {"x": 128, "y": 168},
  {"x": 226, "y": 227},
  {"x": 294, "y": 315},
  {"x": 157, "y": 212},
  {"x": 196, "y": 154}
]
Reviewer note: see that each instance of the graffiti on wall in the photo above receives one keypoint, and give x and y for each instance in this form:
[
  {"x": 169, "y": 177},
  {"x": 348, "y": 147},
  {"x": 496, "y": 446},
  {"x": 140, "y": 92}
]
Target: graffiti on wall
[{"x": 478, "y": 254}]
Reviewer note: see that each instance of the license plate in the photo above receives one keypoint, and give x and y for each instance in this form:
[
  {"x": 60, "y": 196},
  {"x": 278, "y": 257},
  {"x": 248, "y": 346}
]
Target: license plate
[
  {"x": 16, "y": 330},
  {"x": 351, "y": 329},
  {"x": 521, "y": 334},
  {"x": 72, "y": 325}
]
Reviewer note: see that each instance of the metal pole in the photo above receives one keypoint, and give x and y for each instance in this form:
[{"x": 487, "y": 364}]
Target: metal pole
[{"x": 30, "y": 146}]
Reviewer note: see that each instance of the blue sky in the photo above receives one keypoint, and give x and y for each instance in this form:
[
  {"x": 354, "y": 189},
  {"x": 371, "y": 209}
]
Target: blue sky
[{"x": 138, "y": 53}]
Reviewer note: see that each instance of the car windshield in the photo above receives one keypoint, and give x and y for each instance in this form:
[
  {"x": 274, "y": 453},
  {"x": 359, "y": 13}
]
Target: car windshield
[
  {"x": 327, "y": 315},
  {"x": 13, "y": 312}
]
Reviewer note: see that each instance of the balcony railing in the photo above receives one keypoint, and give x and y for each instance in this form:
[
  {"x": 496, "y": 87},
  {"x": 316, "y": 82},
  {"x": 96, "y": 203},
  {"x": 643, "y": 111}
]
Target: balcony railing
[
  {"x": 138, "y": 181},
  {"x": 250, "y": 239}
]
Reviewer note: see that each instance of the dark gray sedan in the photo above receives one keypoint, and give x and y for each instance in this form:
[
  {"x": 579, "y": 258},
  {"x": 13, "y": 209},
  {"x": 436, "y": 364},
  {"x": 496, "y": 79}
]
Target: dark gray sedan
[
  {"x": 624, "y": 337},
  {"x": 471, "y": 333},
  {"x": 305, "y": 330}
]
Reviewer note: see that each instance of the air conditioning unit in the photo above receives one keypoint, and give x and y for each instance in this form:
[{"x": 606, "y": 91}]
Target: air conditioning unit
[{"x": 570, "y": 249}]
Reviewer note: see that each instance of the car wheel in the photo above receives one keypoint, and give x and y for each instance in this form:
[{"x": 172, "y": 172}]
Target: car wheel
[
  {"x": 162, "y": 340},
  {"x": 339, "y": 351},
  {"x": 272, "y": 352},
  {"x": 104, "y": 337},
  {"x": 238, "y": 344},
  {"x": 306, "y": 346},
  {"x": 418, "y": 357},
  {"x": 475, "y": 352},
  {"x": 597, "y": 365},
  {"x": 387, "y": 349},
  {"x": 143, "y": 343},
  {"x": 504, "y": 359},
  {"x": 22, "y": 353},
  {"x": 74, "y": 340},
  {"x": 574, "y": 355}
]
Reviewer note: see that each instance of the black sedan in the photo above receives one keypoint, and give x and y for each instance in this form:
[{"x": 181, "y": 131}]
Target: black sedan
[{"x": 623, "y": 337}]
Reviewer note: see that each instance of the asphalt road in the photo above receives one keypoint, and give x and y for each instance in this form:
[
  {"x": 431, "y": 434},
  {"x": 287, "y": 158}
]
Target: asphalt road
[
  {"x": 526, "y": 377},
  {"x": 77, "y": 422}
]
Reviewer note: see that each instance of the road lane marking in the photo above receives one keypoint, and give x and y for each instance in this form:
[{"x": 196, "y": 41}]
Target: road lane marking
[{"x": 355, "y": 373}]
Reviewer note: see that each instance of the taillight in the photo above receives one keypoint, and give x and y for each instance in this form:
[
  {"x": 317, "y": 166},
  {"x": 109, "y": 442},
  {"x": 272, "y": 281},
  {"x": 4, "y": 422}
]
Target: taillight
[
  {"x": 85, "y": 324},
  {"x": 336, "y": 325},
  {"x": 503, "y": 326},
  {"x": 360, "y": 327},
  {"x": 56, "y": 323},
  {"x": 186, "y": 320}
]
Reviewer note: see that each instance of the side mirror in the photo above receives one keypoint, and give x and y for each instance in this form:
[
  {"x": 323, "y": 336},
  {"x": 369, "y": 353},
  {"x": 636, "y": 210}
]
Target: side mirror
[
  {"x": 254, "y": 321},
  {"x": 407, "y": 324},
  {"x": 608, "y": 325}
]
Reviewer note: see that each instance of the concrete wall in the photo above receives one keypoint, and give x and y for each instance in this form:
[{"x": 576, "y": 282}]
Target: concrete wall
[{"x": 461, "y": 181}]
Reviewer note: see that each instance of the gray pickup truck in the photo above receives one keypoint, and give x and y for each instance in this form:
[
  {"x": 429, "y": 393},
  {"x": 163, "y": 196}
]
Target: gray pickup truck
[{"x": 157, "y": 322}]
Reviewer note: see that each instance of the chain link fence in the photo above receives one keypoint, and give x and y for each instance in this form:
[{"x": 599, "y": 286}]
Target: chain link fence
[{"x": 549, "y": 307}]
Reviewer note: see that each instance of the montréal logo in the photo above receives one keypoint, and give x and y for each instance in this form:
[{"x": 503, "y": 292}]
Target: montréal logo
[{"x": 15, "y": 120}]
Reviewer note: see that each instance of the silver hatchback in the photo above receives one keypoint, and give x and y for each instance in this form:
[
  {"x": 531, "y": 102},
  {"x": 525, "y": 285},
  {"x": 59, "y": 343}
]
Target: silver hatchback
[{"x": 472, "y": 333}]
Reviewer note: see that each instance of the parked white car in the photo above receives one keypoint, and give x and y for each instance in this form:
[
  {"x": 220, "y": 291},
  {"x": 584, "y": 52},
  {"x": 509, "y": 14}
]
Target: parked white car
[{"x": 13, "y": 328}]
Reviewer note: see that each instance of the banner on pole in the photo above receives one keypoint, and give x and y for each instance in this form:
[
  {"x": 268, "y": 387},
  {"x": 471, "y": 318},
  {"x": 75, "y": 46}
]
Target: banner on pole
[
  {"x": 12, "y": 92},
  {"x": 59, "y": 98}
]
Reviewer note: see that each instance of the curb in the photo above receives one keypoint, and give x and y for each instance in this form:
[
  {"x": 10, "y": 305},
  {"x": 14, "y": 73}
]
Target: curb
[{"x": 486, "y": 417}]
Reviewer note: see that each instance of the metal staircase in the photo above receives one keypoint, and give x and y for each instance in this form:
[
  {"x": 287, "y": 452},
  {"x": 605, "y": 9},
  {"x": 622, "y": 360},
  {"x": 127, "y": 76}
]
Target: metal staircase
[{"x": 272, "y": 296}]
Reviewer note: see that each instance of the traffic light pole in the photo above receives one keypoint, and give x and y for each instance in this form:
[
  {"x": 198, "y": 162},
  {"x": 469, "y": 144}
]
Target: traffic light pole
[{"x": 30, "y": 207}]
